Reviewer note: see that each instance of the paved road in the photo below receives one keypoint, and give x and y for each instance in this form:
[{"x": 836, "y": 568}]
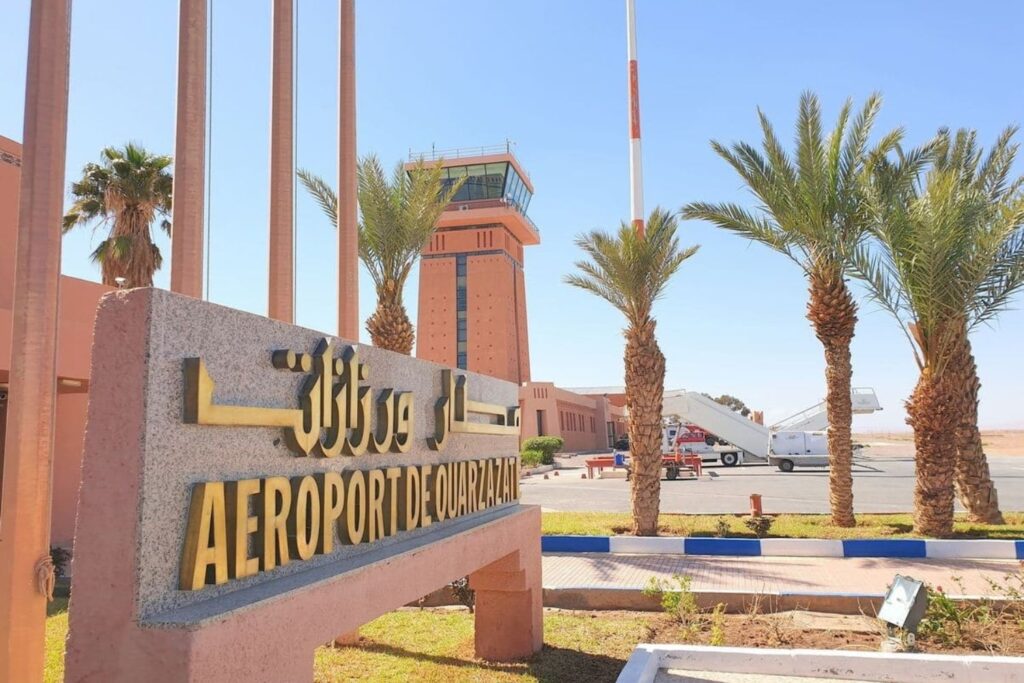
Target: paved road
[{"x": 881, "y": 484}]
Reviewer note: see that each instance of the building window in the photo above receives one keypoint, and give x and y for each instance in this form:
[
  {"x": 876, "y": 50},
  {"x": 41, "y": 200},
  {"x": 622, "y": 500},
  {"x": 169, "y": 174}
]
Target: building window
[{"x": 461, "y": 318}]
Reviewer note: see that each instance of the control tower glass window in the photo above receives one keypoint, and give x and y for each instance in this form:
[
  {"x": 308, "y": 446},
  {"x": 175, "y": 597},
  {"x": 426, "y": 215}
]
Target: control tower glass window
[{"x": 488, "y": 181}]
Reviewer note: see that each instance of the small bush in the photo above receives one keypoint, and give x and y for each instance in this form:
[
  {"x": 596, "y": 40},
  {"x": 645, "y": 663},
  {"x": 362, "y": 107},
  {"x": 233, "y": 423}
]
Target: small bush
[
  {"x": 759, "y": 525},
  {"x": 463, "y": 593},
  {"x": 60, "y": 558},
  {"x": 677, "y": 599},
  {"x": 531, "y": 458},
  {"x": 721, "y": 527},
  {"x": 718, "y": 625},
  {"x": 547, "y": 445}
]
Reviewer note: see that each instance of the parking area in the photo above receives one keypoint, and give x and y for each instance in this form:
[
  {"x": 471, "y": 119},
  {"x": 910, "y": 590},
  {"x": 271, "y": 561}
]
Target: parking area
[{"x": 881, "y": 484}]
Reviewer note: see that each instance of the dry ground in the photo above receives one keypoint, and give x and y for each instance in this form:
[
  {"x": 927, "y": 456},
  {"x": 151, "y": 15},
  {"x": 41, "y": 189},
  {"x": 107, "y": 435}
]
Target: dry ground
[{"x": 996, "y": 442}]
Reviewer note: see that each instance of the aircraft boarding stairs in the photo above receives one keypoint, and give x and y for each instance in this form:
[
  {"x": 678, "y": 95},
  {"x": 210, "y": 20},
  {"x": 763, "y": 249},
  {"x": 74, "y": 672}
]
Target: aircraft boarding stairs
[
  {"x": 744, "y": 433},
  {"x": 815, "y": 418}
]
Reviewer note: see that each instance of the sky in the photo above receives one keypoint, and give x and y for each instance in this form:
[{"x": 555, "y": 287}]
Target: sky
[{"x": 550, "y": 75}]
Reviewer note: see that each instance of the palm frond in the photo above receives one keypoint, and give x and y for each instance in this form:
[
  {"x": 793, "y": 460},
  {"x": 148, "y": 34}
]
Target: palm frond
[{"x": 628, "y": 271}]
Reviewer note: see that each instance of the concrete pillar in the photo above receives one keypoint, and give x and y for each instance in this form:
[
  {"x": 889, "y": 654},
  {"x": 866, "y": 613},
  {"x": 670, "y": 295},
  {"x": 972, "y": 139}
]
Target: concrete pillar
[
  {"x": 281, "y": 305},
  {"x": 28, "y": 453},
  {"x": 348, "y": 234},
  {"x": 509, "y": 611},
  {"x": 189, "y": 152}
]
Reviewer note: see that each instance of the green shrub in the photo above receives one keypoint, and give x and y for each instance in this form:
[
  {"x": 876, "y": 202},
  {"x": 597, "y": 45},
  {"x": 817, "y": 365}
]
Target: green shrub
[
  {"x": 548, "y": 445},
  {"x": 531, "y": 458},
  {"x": 759, "y": 525},
  {"x": 60, "y": 557},
  {"x": 678, "y": 600}
]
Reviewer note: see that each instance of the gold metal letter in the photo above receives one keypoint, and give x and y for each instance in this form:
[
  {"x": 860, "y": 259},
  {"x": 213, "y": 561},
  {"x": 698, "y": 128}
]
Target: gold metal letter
[
  {"x": 304, "y": 520},
  {"x": 203, "y": 562},
  {"x": 332, "y": 489},
  {"x": 375, "y": 509},
  {"x": 441, "y": 488},
  {"x": 393, "y": 474},
  {"x": 411, "y": 518},
  {"x": 425, "y": 495},
  {"x": 241, "y": 525},
  {"x": 276, "y": 499},
  {"x": 355, "y": 517}
]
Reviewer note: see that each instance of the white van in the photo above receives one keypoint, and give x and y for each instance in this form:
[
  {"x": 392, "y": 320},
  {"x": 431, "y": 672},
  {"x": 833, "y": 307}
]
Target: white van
[{"x": 790, "y": 449}]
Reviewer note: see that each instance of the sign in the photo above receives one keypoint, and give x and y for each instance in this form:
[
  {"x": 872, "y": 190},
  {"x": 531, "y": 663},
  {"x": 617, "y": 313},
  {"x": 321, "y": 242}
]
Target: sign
[
  {"x": 336, "y": 415},
  {"x": 252, "y": 489}
]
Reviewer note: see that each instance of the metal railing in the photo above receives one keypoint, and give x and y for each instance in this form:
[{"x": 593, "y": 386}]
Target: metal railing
[
  {"x": 508, "y": 147},
  {"x": 456, "y": 152}
]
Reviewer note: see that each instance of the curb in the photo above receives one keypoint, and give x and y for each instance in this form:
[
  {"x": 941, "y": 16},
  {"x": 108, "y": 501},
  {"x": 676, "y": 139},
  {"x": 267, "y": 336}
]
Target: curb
[
  {"x": 605, "y": 598},
  {"x": 600, "y": 598},
  {"x": 539, "y": 469},
  {"x": 980, "y": 549},
  {"x": 647, "y": 660}
]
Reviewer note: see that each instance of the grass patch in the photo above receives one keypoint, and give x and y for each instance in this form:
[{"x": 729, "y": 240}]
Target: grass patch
[
  {"x": 56, "y": 632},
  {"x": 436, "y": 645},
  {"x": 785, "y": 526}
]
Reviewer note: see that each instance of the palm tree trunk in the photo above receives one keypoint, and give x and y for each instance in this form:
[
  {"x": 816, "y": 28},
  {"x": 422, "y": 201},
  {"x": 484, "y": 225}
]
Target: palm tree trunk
[
  {"x": 973, "y": 482},
  {"x": 389, "y": 326},
  {"x": 139, "y": 260},
  {"x": 645, "y": 388},
  {"x": 833, "y": 312},
  {"x": 932, "y": 411}
]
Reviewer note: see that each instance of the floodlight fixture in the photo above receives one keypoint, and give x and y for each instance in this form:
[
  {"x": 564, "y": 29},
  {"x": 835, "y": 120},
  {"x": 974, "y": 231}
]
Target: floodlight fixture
[{"x": 905, "y": 604}]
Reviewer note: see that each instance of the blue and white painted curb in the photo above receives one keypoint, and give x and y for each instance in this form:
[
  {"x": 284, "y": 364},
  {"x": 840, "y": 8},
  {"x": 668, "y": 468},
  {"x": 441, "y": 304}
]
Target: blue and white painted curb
[{"x": 787, "y": 547}]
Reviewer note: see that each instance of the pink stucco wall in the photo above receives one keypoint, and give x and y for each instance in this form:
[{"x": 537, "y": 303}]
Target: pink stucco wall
[
  {"x": 78, "y": 301},
  {"x": 581, "y": 421}
]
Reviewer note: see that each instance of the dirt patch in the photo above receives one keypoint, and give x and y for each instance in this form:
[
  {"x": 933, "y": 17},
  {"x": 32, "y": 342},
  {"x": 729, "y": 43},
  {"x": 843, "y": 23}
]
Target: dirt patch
[
  {"x": 992, "y": 633},
  {"x": 894, "y": 444}
]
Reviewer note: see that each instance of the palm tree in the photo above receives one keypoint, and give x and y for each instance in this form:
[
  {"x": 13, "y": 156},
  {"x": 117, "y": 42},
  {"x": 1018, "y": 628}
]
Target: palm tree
[
  {"x": 398, "y": 218},
  {"x": 127, "y": 190},
  {"x": 948, "y": 255},
  {"x": 810, "y": 210},
  {"x": 630, "y": 272}
]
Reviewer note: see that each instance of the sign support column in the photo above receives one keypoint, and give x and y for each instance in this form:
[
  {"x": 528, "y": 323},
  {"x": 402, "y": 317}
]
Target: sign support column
[
  {"x": 348, "y": 225},
  {"x": 25, "y": 567},
  {"x": 281, "y": 279},
  {"x": 189, "y": 152}
]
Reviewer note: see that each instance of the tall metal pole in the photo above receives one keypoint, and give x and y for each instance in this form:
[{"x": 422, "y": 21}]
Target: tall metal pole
[
  {"x": 636, "y": 172},
  {"x": 28, "y": 453},
  {"x": 189, "y": 152},
  {"x": 281, "y": 280},
  {"x": 348, "y": 234}
]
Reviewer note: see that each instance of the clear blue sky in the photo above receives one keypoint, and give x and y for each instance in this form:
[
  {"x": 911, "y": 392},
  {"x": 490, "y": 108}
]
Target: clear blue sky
[{"x": 551, "y": 76}]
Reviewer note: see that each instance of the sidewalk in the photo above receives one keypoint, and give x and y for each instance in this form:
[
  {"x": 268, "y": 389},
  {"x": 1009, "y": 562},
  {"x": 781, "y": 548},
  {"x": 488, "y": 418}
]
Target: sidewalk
[{"x": 867, "y": 577}]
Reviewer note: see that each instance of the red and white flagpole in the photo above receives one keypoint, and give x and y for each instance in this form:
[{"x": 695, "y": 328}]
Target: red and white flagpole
[{"x": 636, "y": 172}]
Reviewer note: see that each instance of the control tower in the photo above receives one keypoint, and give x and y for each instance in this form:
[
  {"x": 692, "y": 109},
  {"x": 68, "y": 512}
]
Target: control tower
[{"x": 472, "y": 298}]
